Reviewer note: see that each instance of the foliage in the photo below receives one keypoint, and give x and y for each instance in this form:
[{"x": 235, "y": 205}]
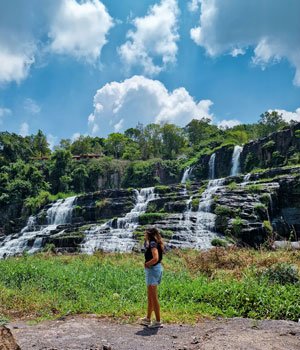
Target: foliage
[
  {"x": 237, "y": 225},
  {"x": 255, "y": 188},
  {"x": 224, "y": 210},
  {"x": 218, "y": 242},
  {"x": 45, "y": 286},
  {"x": 297, "y": 134},
  {"x": 150, "y": 218},
  {"x": 282, "y": 273},
  {"x": 269, "y": 145},
  {"x": 268, "y": 226}
]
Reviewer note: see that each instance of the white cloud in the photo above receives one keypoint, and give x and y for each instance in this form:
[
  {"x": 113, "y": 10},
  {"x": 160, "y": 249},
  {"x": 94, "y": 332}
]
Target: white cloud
[
  {"x": 75, "y": 136},
  {"x": 225, "y": 124},
  {"x": 288, "y": 116},
  {"x": 75, "y": 28},
  {"x": 15, "y": 65},
  {"x": 24, "y": 129},
  {"x": 153, "y": 43},
  {"x": 4, "y": 112},
  {"x": 193, "y": 5},
  {"x": 270, "y": 27},
  {"x": 31, "y": 106},
  {"x": 118, "y": 106},
  {"x": 52, "y": 141},
  {"x": 80, "y": 29}
]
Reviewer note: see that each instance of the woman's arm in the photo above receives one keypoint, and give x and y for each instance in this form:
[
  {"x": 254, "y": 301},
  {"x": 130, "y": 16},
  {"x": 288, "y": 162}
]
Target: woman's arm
[{"x": 155, "y": 258}]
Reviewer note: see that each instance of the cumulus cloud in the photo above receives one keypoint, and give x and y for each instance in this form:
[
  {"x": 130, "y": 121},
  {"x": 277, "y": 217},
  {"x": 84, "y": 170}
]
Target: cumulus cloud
[
  {"x": 225, "y": 124},
  {"x": 31, "y": 106},
  {"x": 4, "y": 112},
  {"x": 52, "y": 141},
  {"x": 77, "y": 29},
  {"x": 152, "y": 45},
  {"x": 271, "y": 27},
  {"x": 80, "y": 29},
  {"x": 288, "y": 116},
  {"x": 24, "y": 129},
  {"x": 118, "y": 106},
  {"x": 193, "y": 5}
]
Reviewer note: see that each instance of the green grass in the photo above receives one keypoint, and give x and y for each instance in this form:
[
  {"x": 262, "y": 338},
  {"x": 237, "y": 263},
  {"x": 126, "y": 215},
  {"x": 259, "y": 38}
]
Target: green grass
[{"x": 45, "y": 286}]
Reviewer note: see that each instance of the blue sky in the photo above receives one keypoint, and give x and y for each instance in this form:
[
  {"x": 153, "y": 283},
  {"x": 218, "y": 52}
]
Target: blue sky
[{"x": 149, "y": 60}]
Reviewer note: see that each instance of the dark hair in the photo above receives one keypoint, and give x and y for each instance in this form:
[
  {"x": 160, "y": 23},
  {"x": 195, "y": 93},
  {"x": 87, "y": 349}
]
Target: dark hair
[{"x": 154, "y": 235}]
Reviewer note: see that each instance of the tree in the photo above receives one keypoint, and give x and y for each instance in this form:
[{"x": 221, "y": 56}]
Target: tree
[
  {"x": 173, "y": 140},
  {"x": 40, "y": 144},
  {"x": 79, "y": 178},
  {"x": 115, "y": 144},
  {"x": 270, "y": 122},
  {"x": 59, "y": 166}
]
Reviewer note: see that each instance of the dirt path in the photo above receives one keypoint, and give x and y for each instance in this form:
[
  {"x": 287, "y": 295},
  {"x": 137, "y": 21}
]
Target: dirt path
[{"x": 91, "y": 333}]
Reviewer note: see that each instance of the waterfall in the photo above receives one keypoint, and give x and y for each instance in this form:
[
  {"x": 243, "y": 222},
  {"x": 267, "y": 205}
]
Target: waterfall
[
  {"x": 31, "y": 236},
  {"x": 108, "y": 238},
  {"x": 236, "y": 167},
  {"x": 211, "y": 165},
  {"x": 199, "y": 228},
  {"x": 186, "y": 175}
]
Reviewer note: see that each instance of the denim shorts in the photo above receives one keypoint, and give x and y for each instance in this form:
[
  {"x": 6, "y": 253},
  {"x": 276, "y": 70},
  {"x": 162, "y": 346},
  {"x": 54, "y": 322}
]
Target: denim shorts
[{"x": 154, "y": 275}]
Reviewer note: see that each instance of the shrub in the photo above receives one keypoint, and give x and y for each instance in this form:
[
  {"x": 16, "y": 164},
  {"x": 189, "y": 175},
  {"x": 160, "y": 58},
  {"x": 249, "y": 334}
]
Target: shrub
[
  {"x": 237, "y": 225},
  {"x": 218, "y": 242},
  {"x": 265, "y": 198},
  {"x": 254, "y": 188},
  {"x": 195, "y": 203},
  {"x": 268, "y": 227},
  {"x": 232, "y": 186},
  {"x": 162, "y": 189},
  {"x": 269, "y": 145},
  {"x": 282, "y": 273},
  {"x": 224, "y": 210},
  {"x": 100, "y": 204},
  {"x": 150, "y": 218},
  {"x": 297, "y": 134}
]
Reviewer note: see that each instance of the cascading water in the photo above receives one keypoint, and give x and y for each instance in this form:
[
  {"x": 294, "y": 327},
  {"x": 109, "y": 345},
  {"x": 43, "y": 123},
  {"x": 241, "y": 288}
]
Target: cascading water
[
  {"x": 31, "y": 236},
  {"x": 236, "y": 166},
  {"x": 211, "y": 164},
  {"x": 185, "y": 219},
  {"x": 186, "y": 175},
  {"x": 120, "y": 238}
]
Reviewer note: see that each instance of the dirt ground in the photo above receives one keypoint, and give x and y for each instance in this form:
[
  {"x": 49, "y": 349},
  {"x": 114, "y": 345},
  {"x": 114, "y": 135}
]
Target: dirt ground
[{"x": 92, "y": 333}]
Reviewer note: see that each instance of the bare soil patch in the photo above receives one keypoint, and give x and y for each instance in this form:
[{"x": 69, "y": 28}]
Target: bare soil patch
[{"x": 92, "y": 333}]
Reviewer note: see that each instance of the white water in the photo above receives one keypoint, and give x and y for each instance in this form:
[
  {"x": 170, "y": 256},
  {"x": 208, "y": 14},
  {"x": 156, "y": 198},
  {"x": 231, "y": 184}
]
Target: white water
[
  {"x": 119, "y": 239},
  {"x": 186, "y": 215},
  {"x": 199, "y": 227},
  {"x": 236, "y": 166},
  {"x": 31, "y": 236},
  {"x": 186, "y": 175},
  {"x": 211, "y": 165}
]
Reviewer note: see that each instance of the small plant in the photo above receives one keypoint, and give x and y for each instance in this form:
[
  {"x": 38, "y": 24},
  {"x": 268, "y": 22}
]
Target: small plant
[
  {"x": 268, "y": 227},
  {"x": 100, "y": 204},
  {"x": 254, "y": 188},
  {"x": 237, "y": 225},
  {"x": 282, "y": 273},
  {"x": 49, "y": 248},
  {"x": 218, "y": 242},
  {"x": 224, "y": 210},
  {"x": 232, "y": 186},
  {"x": 297, "y": 134},
  {"x": 150, "y": 218},
  {"x": 269, "y": 145},
  {"x": 162, "y": 189},
  {"x": 195, "y": 203}
]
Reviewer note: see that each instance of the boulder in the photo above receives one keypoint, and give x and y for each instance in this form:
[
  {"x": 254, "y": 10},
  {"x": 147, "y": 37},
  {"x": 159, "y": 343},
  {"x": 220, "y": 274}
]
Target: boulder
[{"x": 7, "y": 341}]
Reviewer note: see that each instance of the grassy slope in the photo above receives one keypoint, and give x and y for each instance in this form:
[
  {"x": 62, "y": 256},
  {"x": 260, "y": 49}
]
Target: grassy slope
[{"x": 216, "y": 283}]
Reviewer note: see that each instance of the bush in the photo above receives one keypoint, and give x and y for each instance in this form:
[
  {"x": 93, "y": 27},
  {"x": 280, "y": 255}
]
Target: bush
[
  {"x": 268, "y": 227},
  {"x": 224, "y": 210},
  {"x": 218, "y": 242},
  {"x": 269, "y": 145},
  {"x": 162, "y": 189},
  {"x": 100, "y": 204},
  {"x": 297, "y": 134},
  {"x": 150, "y": 218},
  {"x": 282, "y": 273},
  {"x": 254, "y": 188},
  {"x": 237, "y": 225},
  {"x": 195, "y": 203},
  {"x": 232, "y": 186}
]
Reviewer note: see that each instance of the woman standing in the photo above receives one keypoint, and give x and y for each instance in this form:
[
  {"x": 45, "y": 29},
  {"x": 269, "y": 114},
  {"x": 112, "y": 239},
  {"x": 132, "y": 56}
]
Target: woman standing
[{"x": 153, "y": 269}]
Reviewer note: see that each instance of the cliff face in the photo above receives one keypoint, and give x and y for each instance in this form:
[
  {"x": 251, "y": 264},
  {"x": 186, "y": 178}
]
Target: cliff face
[{"x": 274, "y": 150}]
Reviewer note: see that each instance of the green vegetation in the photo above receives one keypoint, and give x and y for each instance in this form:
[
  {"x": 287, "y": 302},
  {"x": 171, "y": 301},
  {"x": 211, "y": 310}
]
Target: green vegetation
[
  {"x": 237, "y": 225},
  {"x": 224, "y": 210},
  {"x": 268, "y": 227},
  {"x": 218, "y": 242},
  {"x": 269, "y": 145},
  {"x": 232, "y": 186},
  {"x": 150, "y": 218},
  {"x": 221, "y": 282},
  {"x": 254, "y": 188}
]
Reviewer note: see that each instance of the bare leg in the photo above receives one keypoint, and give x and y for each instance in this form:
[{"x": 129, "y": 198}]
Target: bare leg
[
  {"x": 150, "y": 303},
  {"x": 155, "y": 302}
]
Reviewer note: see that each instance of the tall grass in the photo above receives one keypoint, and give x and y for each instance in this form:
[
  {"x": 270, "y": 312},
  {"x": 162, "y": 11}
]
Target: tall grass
[{"x": 222, "y": 282}]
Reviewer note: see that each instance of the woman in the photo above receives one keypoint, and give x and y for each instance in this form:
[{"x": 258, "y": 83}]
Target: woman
[{"x": 153, "y": 269}]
